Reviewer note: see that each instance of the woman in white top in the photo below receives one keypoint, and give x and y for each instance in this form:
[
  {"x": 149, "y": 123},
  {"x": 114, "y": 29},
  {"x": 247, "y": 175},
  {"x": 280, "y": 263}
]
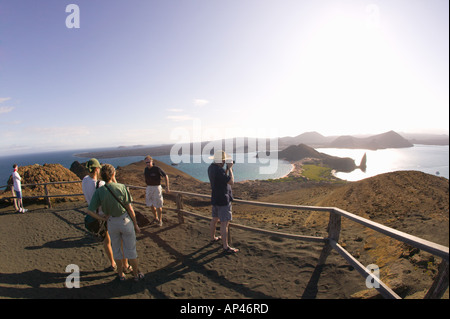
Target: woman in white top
[
  {"x": 17, "y": 190},
  {"x": 89, "y": 184}
]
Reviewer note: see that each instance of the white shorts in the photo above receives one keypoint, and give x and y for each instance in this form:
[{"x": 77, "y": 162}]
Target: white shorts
[{"x": 153, "y": 196}]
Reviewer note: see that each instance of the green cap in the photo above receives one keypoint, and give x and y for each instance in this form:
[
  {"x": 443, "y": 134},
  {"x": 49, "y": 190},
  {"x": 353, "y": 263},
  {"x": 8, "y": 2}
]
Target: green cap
[{"x": 93, "y": 163}]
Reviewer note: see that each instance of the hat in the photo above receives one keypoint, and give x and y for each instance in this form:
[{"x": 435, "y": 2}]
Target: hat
[
  {"x": 92, "y": 163},
  {"x": 220, "y": 156}
]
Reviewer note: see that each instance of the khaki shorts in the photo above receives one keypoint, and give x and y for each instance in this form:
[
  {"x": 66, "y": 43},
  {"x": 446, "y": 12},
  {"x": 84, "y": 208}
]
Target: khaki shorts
[
  {"x": 121, "y": 231},
  {"x": 153, "y": 196}
]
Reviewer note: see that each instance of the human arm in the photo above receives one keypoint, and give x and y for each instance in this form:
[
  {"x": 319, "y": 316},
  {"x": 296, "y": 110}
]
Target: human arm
[
  {"x": 93, "y": 206},
  {"x": 229, "y": 172},
  {"x": 97, "y": 216},
  {"x": 167, "y": 184}
]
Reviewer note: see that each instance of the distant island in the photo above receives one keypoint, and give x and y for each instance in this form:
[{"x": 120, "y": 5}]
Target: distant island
[
  {"x": 389, "y": 139},
  {"x": 302, "y": 152}
]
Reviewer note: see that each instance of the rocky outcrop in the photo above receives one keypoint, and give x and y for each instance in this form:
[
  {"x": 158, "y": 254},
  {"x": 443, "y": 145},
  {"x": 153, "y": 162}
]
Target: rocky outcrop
[
  {"x": 302, "y": 151},
  {"x": 79, "y": 169},
  {"x": 47, "y": 173}
]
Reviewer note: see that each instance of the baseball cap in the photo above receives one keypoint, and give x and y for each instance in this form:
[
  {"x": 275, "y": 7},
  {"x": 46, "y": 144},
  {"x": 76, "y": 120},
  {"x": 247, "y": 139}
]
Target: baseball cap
[{"x": 92, "y": 163}]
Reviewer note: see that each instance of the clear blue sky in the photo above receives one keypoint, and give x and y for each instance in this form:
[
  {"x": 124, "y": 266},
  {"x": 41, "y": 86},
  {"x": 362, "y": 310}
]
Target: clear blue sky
[{"x": 144, "y": 72}]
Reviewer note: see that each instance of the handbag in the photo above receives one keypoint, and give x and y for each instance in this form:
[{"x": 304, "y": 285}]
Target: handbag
[{"x": 141, "y": 220}]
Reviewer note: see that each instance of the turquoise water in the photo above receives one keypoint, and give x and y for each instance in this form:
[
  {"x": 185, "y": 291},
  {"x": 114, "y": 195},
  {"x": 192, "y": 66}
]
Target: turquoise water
[{"x": 247, "y": 167}]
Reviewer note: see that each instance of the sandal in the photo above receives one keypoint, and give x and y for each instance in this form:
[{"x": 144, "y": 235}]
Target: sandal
[
  {"x": 139, "y": 277},
  {"x": 216, "y": 239},
  {"x": 128, "y": 270},
  {"x": 112, "y": 268},
  {"x": 122, "y": 278},
  {"x": 231, "y": 250}
]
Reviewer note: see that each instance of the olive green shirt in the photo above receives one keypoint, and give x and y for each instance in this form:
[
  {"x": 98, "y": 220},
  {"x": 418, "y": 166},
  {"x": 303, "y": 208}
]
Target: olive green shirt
[{"x": 110, "y": 206}]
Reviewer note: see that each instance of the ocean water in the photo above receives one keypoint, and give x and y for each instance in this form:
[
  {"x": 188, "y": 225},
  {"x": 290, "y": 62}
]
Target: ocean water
[
  {"x": 65, "y": 158},
  {"x": 430, "y": 159},
  {"x": 247, "y": 166}
]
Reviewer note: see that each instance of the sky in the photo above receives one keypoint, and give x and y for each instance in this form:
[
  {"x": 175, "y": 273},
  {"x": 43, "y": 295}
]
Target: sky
[{"x": 142, "y": 72}]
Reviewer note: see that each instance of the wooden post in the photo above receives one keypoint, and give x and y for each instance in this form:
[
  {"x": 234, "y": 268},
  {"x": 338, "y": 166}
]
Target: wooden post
[
  {"x": 179, "y": 200},
  {"x": 334, "y": 226},
  {"x": 440, "y": 284},
  {"x": 334, "y": 230},
  {"x": 46, "y": 196}
]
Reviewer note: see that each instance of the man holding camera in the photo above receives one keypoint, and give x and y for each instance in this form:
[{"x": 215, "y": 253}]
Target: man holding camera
[{"x": 221, "y": 197}]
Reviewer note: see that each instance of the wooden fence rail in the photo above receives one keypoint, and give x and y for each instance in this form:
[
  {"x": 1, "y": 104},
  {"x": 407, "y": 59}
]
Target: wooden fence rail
[{"x": 436, "y": 290}]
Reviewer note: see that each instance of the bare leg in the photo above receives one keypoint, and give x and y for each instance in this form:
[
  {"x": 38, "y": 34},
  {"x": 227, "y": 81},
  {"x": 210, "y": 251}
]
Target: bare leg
[
  {"x": 16, "y": 206},
  {"x": 154, "y": 213},
  {"x": 119, "y": 268},
  {"x": 212, "y": 228},
  {"x": 134, "y": 264},
  {"x": 224, "y": 232},
  {"x": 124, "y": 261},
  {"x": 108, "y": 250},
  {"x": 159, "y": 211}
]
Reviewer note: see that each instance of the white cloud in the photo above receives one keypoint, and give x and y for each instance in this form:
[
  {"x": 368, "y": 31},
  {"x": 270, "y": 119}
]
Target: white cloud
[
  {"x": 175, "y": 110},
  {"x": 200, "y": 102},
  {"x": 4, "y": 99},
  {"x": 6, "y": 109},
  {"x": 66, "y": 131},
  {"x": 180, "y": 118}
]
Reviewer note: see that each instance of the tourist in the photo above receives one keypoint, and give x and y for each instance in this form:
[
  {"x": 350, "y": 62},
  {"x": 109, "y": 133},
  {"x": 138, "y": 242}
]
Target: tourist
[
  {"x": 221, "y": 197},
  {"x": 153, "y": 194},
  {"x": 115, "y": 201},
  {"x": 89, "y": 184},
  {"x": 17, "y": 190}
]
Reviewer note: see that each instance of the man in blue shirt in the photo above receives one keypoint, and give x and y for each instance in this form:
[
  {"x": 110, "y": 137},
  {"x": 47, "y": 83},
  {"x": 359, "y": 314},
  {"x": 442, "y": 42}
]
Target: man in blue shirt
[{"x": 221, "y": 197}]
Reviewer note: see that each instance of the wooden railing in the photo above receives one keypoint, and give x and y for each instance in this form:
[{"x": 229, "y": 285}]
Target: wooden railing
[
  {"x": 436, "y": 290},
  {"x": 47, "y": 195}
]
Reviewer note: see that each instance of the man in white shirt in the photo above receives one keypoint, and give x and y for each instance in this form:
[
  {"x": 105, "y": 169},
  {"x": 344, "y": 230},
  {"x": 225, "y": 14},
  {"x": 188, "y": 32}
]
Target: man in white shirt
[{"x": 17, "y": 188}]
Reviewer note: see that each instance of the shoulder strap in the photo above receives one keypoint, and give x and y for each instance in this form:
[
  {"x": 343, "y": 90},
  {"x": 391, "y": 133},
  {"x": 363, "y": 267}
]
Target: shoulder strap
[
  {"x": 97, "y": 184},
  {"x": 115, "y": 196}
]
